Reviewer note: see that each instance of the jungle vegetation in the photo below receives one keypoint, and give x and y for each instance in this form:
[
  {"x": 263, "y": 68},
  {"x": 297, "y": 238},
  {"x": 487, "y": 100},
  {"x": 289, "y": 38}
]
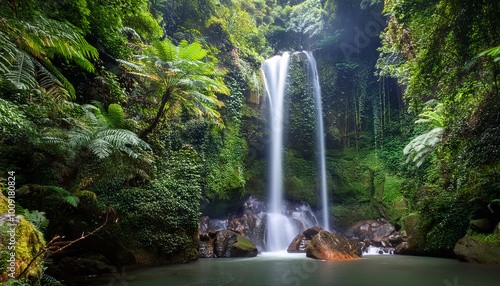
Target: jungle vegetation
[{"x": 151, "y": 111}]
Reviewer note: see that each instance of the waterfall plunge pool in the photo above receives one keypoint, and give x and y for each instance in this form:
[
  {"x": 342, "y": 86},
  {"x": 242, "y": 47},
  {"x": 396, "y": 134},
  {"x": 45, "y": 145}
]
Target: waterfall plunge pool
[{"x": 281, "y": 268}]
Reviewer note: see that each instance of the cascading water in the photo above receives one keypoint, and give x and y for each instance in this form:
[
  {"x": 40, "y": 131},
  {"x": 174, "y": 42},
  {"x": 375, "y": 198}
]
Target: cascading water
[
  {"x": 280, "y": 229},
  {"x": 283, "y": 224},
  {"x": 320, "y": 139}
]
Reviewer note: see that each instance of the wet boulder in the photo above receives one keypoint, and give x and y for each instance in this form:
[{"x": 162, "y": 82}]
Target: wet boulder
[
  {"x": 206, "y": 249},
  {"x": 332, "y": 247},
  {"x": 369, "y": 229},
  {"x": 299, "y": 244},
  {"x": 251, "y": 227},
  {"x": 312, "y": 231},
  {"x": 205, "y": 227},
  {"x": 402, "y": 248},
  {"x": 231, "y": 244}
]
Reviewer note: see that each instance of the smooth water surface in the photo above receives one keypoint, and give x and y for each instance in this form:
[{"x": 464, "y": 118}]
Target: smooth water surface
[{"x": 296, "y": 269}]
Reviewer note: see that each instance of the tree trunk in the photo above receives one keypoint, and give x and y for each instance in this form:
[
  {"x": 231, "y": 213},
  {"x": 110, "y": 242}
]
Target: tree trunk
[{"x": 153, "y": 124}]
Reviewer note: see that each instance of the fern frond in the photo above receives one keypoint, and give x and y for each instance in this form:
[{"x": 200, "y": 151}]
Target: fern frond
[
  {"x": 193, "y": 52},
  {"x": 166, "y": 50},
  {"x": 22, "y": 72},
  {"x": 100, "y": 147},
  {"x": 115, "y": 117},
  {"x": 86, "y": 194}
]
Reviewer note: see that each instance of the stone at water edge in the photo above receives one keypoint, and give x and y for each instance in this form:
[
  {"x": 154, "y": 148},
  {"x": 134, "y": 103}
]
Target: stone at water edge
[
  {"x": 299, "y": 244},
  {"x": 472, "y": 249},
  {"x": 368, "y": 229},
  {"x": 230, "y": 244},
  {"x": 416, "y": 236},
  {"x": 250, "y": 226},
  {"x": 332, "y": 247}
]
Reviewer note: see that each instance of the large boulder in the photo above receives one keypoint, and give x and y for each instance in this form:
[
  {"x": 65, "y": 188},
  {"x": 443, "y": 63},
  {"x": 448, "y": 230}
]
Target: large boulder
[
  {"x": 230, "y": 244},
  {"x": 473, "y": 249},
  {"x": 252, "y": 227},
  {"x": 206, "y": 249},
  {"x": 312, "y": 231},
  {"x": 332, "y": 247},
  {"x": 402, "y": 248},
  {"x": 416, "y": 236},
  {"x": 369, "y": 229},
  {"x": 299, "y": 244}
]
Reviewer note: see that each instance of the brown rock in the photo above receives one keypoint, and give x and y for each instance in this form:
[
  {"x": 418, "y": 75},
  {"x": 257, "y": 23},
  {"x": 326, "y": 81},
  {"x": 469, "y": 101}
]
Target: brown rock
[
  {"x": 299, "y": 244},
  {"x": 402, "y": 248},
  {"x": 312, "y": 231},
  {"x": 332, "y": 247}
]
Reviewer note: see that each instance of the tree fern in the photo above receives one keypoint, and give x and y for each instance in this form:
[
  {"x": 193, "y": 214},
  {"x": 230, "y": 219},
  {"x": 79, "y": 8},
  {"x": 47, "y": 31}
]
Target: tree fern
[
  {"x": 27, "y": 46},
  {"x": 423, "y": 145},
  {"x": 182, "y": 77}
]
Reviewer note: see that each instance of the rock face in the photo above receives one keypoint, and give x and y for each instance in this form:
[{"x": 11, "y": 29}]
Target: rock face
[
  {"x": 230, "y": 244},
  {"x": 332, "y": 247},
  {"x": 471, "y": 249}
]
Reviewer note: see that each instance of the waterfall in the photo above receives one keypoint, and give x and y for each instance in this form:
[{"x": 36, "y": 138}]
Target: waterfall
[
  {"x": 320, "y": 139},
  {"x": 283, "y": 224},
  {"x": 280, "y": 229}
]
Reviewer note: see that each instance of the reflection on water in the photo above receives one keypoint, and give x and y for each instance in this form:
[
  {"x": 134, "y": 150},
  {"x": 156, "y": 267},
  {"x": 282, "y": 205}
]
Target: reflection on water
[{"x": 296, "y": 269}]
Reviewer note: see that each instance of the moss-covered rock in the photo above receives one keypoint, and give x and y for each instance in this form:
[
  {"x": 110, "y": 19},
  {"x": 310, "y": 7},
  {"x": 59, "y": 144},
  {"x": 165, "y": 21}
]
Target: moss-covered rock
[
  {"x": 479, "y": 249},
  {"x": 416, "y": 237},
  {"x": 28, "y": 242},
  {"x": 482, "y": 225},
  {"x": 230, "y": 244}
]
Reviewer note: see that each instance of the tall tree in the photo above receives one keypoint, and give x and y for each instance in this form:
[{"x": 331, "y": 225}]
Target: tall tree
[{"x": 181, "y": 75}]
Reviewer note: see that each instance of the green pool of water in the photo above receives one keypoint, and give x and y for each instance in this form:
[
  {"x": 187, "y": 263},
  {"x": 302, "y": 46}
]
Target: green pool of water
[{"x": 296, "y": 269}]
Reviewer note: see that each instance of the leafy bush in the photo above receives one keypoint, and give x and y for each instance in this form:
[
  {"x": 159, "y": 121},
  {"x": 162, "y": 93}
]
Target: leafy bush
[{"x": 164, "y": 214}]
